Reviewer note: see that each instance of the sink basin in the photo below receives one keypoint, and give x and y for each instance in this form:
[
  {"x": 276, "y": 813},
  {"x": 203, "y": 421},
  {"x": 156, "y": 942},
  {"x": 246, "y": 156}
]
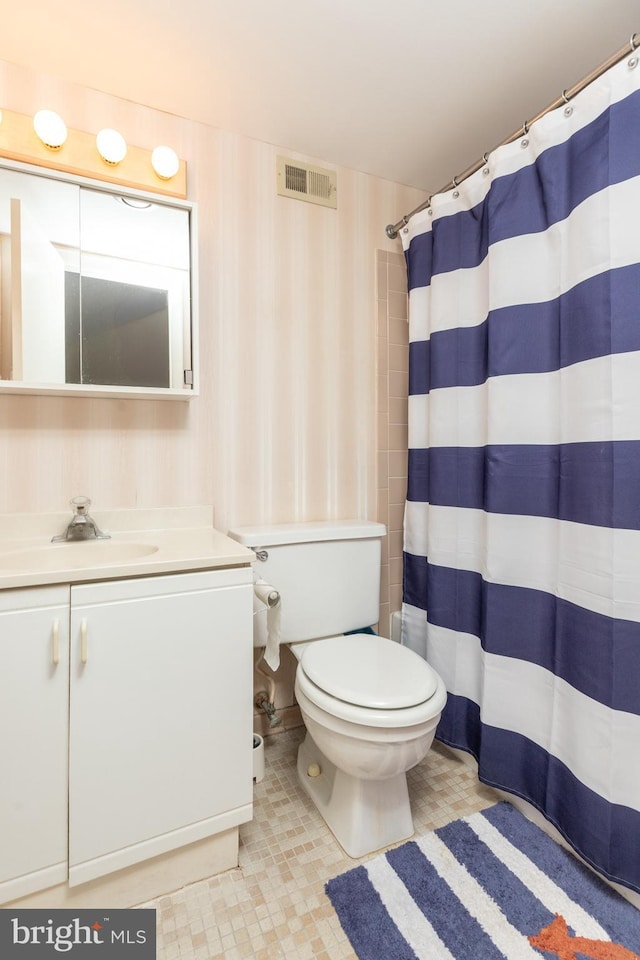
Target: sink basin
[{"x": 74, "y": 555}]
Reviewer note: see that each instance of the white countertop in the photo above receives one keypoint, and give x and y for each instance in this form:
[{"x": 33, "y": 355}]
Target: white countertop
[{"x": 167, "y": 541}]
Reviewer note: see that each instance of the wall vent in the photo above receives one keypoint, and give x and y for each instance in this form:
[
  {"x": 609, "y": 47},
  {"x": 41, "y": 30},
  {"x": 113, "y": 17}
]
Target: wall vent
[{"x": 303, "y": 182}]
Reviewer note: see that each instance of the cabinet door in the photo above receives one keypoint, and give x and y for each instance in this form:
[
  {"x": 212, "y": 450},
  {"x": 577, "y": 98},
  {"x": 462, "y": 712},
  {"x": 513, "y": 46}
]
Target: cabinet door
[
  {"x": 160, "y": 716},
  {"x": 34, "y": 689}
]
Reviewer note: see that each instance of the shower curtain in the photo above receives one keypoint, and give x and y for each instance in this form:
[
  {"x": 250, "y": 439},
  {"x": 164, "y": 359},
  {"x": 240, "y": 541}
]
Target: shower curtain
[{"x": 522, "y": 524}]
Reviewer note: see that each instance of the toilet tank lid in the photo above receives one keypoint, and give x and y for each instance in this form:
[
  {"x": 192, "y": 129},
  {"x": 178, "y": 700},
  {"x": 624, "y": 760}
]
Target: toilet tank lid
[{"x": 275, "y": 534}]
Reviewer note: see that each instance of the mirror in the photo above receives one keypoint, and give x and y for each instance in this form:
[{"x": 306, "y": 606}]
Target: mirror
[{"x": 95, "y": 288}]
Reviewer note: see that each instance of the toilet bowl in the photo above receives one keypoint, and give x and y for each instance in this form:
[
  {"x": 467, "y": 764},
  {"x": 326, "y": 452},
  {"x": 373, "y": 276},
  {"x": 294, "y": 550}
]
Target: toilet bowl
[
  {"x": 366, "y": 727},
  {"x": 370, "y": 706}
]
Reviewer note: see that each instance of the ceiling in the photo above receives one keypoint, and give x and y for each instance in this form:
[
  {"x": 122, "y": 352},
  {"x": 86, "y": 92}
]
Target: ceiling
[{"x": 413, "y": 91}]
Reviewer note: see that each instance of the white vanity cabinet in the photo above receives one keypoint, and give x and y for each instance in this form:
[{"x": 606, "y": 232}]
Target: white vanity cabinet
[
  {"x": 34, "y": 704},
  {"x": 126, "y": 711},
  {"x": 160, "y": 715}
]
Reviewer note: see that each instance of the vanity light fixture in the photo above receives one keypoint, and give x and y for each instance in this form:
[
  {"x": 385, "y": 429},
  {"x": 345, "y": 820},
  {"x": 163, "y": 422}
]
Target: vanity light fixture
[
  {"x": 165, "y": 162},
  {"x": 111, "y": 145},
  {"x": 38, "y": 140},
  {"x": 50, "y": 128}
]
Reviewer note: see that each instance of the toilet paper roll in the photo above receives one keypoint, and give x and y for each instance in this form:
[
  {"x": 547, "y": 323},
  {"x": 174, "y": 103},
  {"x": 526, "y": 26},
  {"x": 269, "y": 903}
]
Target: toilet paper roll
[
  {"x": 265, "y": 592},
  {"x": 271, "y": 599}
]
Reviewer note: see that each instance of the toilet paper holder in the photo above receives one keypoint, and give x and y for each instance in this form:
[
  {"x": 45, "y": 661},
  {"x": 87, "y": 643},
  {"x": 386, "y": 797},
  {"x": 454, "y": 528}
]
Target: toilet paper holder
[{"x": 266, "y": 594}]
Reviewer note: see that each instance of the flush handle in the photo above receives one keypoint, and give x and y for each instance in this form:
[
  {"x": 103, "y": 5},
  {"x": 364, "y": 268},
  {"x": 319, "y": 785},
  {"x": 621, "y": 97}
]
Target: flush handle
[{"x": 262, "y": 555}]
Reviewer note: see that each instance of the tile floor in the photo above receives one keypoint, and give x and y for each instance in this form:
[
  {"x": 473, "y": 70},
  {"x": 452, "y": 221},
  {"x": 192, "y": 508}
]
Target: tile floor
[{"x": 273, "y": 907}]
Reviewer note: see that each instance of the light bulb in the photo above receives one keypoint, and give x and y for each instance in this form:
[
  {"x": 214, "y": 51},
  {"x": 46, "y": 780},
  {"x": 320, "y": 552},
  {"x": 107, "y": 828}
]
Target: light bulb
[
  {"x": 50, "y": 128},
  {"x": 165, "y": 162},
  {"x": 111, "y": 146}
]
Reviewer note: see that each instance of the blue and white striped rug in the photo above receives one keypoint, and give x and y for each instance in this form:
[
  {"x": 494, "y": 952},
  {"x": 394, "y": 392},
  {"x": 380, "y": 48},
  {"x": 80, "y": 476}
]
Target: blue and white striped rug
[{"x": 487, "y": 887}]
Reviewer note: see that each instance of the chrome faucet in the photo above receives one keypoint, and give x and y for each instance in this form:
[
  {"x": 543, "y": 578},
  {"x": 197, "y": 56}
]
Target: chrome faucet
[{"x": 82, "y": 526}]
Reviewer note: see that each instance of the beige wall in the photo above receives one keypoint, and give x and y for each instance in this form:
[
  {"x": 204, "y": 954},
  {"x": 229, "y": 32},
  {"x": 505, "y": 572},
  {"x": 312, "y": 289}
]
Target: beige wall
[
  {"x": 392, "y": 366},
  {"x": 301, "y": 335},
  {"x": 285, "y": 426}
]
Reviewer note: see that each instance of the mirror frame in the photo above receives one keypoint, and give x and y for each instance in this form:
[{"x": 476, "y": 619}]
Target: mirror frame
[{"x": 187, "y": 391}]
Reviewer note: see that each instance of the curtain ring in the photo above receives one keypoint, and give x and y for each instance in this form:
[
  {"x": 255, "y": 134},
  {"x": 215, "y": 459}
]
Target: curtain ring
[
  {"x": 485, "y": 158},
  {"x": 632, "y": 41},
  {"x": 565, "y": 97},
  {"x": 454, "y": 181},
  {"x": 525, "y": 128}
]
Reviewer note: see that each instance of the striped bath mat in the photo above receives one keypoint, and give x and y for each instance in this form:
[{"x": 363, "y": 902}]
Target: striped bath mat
[{"x": 488, "y": 887}]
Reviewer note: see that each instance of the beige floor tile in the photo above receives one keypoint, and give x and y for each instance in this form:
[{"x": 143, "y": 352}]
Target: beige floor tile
[{"x": 273, "y": 907}]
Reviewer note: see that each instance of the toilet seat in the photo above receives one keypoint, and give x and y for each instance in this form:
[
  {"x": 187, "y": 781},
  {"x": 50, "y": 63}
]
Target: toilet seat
[{"x": 369, "y": 680}]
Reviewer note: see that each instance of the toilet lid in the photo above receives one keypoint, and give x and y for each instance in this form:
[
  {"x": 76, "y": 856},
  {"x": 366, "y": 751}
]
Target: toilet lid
[{"x": 369, "y": 671}]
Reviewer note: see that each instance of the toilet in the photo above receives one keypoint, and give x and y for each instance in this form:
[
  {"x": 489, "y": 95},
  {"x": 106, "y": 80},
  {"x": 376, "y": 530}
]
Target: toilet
[{"x": 370, "y": 706}]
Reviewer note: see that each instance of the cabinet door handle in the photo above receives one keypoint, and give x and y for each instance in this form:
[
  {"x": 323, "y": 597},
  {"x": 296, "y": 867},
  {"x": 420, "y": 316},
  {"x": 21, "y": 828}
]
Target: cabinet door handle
[
  {"x": 83, "y": 641},
  {"x": 55, "y": 642}
]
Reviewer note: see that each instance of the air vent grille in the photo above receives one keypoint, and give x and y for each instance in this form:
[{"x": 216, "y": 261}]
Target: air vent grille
[{"x": 303, "y": 182}]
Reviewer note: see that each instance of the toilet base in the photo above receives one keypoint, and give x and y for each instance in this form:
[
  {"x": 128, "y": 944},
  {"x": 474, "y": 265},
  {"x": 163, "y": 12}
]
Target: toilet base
[{"x": 363, "y": 815}]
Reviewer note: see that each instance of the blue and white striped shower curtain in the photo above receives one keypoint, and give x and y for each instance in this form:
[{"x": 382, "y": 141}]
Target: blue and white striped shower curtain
[{"x": 522, "y": 527}]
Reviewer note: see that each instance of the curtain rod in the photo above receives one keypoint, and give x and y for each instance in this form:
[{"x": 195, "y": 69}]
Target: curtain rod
[{"x": 391, "y": 229}]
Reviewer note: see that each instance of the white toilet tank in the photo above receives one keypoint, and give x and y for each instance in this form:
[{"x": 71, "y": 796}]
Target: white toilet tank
[{"x": 326, "y": 572}]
